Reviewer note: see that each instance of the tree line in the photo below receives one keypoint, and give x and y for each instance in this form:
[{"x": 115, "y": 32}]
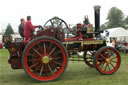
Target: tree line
[{"x": 115, "y": 18}]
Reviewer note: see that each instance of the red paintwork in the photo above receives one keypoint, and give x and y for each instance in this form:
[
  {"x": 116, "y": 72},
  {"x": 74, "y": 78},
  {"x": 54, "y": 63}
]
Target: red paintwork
[
  {"x": 115, "y": 66},
  {"x": 50, "y": 77},
  {"x": 79, "y": 37},
  {"x": 1, "y": 45},
  {"x": 52, "y": 32},
  {"x": 15, "y": 50},
  {"x": 75, "y": 38},
  {"x": 57, "y": 33},
  {"x": 49, "y": 32}
]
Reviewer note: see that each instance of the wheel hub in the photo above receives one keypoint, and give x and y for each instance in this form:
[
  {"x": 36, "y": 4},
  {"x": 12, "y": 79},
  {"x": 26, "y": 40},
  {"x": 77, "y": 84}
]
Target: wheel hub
[
  {"x": 45, "y": 59},
  {"x": 108, "y": 60}
]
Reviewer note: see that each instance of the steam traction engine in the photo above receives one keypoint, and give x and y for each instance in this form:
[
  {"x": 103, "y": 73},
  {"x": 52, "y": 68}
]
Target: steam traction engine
[{"x": 45, "y": 57}]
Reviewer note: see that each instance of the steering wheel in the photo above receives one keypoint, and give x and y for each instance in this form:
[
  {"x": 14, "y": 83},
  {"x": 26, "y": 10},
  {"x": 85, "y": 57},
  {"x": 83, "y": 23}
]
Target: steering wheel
[{"x": 56, "y": 22}]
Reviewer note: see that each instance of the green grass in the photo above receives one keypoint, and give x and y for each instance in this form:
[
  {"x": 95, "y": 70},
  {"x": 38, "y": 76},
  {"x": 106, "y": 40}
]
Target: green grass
[{"x": 77, "y": 73}]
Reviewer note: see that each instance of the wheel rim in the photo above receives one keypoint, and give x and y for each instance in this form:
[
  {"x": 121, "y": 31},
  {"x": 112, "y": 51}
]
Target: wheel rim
[
  {"x": 89, "y": 58},
  {"x": 45, "y": 60},
  {"x": 108, "y": 61}
]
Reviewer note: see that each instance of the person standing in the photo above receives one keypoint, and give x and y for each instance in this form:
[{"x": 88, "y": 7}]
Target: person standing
[
  {"x": 21, "y": 27},
  {"x": 114, "y": 42},
  {"x": 29, "y": 29}
]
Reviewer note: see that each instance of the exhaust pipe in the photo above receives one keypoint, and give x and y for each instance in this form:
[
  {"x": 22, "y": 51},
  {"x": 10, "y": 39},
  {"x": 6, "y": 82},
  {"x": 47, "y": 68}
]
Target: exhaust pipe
[{"x": 97, "y": 18}]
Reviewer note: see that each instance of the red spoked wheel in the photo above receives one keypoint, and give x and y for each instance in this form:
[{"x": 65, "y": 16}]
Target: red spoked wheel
[
  {"x": 89, "y": 58},
  {"x": 44, "y": 59},
  {"x": 107, "y": 60}
]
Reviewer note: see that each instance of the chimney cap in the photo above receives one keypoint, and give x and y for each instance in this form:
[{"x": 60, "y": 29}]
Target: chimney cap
[{"x": 96, "y": 7}]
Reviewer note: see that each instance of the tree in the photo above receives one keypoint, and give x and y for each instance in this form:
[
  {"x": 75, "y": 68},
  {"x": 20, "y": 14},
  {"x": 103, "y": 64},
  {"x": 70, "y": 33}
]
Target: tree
[
  {"x": 9, "y": 30},
  {"x": 103, "y": 27},
  {"x": 115, "y": 18},
  {"x": 126, "y": 22}
]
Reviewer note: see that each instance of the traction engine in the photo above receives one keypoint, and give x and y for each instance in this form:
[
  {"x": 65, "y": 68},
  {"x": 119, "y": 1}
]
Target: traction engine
[{"x": 46, "y": 56}]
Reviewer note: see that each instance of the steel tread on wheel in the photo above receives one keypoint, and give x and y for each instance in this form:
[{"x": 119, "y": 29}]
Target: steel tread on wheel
[
  {"x": 44, "y": 59},
  {"x": 107, "y": 60}
]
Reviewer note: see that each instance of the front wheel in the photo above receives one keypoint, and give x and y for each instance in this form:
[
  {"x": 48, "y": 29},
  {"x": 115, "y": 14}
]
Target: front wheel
[
  {"x": 44, "y": 59},
  {"x": 107, "y": 60}
]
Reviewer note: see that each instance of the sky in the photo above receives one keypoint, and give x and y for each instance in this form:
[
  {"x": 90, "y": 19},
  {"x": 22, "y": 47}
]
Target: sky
[{"x": 71, "y": 11}]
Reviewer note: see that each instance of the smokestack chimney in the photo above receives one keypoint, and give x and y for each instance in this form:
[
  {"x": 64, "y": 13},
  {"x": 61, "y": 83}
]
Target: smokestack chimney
[{"x": 97, "y": 18}]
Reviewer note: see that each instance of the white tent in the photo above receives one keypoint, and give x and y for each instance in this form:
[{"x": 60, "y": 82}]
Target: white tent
[{"x": 119, "y": 32}]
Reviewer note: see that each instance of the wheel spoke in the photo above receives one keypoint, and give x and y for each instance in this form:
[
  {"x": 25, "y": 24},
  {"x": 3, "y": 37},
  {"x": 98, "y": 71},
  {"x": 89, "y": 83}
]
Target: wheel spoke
[
  {"x": 56, "y": 53},
  {"x": 114, "y": 61},
  {"x": 37, "y": 68},
  {"x": 37, "y": 52},
  {"x": 52, "y": 51},
  {"x": 50, "y": 69},
  {"x": 102, "y": 56},
  {"x": 112, "y": 65},
  {"x": 113, "y": 58},
  {"x": 44, "y": 49},
  {"x": 106, "y": 67},
  {"x": 40, "y": 48},
  {"x": 56, "y": 62},
  {"x": 55, "y": 67},
  {"x": 41, "y": 70},
  {"x": 50, "y": 45},
  {"x": 102, "y": 65},
  {"x": 109, "y": 53},
  {"x": 51, "y": 22},
  {"x": 60, "y": 23},
  {"x": 33, "y": 65}
]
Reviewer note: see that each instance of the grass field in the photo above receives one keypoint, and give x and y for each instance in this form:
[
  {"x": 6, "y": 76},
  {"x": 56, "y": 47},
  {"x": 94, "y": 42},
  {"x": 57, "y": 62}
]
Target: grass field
[{"x": 77, "y": 73}]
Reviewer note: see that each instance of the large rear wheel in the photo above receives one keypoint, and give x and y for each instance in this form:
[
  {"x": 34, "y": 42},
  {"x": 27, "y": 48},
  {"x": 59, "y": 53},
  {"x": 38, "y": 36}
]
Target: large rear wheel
[{"x": 44, "y": 59}]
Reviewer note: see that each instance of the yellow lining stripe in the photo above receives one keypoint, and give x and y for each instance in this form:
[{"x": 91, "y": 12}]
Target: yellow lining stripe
[{"x": 89, "y": 42}]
